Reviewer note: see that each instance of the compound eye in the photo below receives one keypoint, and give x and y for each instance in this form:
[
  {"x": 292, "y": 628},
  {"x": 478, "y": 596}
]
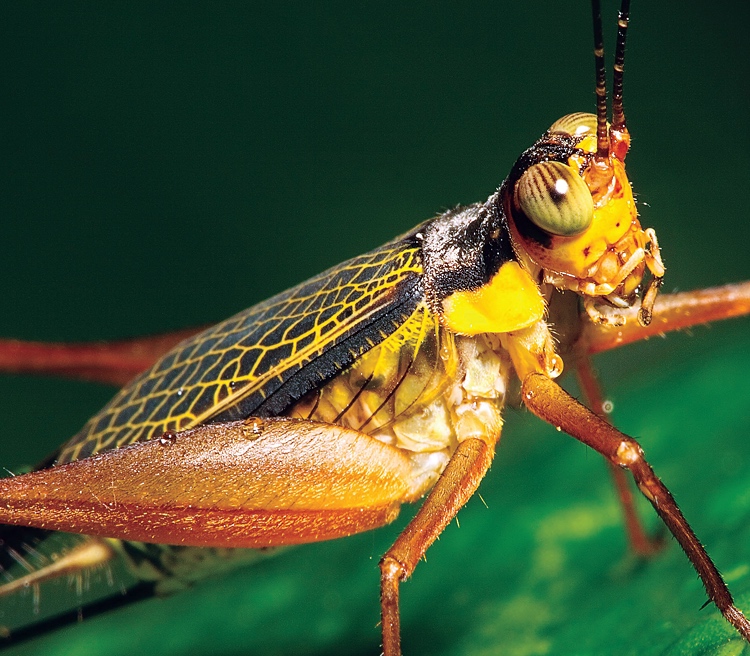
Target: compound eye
[
  {"x": 576, "y": 125},
  {"x": 555, "y": 198}
]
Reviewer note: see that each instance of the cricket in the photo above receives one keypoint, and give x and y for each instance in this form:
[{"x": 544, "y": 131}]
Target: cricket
[{"x": 382, "y": 382}]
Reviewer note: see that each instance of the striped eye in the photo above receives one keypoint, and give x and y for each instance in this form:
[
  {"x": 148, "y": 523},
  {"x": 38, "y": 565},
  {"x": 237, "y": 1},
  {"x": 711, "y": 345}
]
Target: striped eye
[
  {"x": 555, "y": 199},
  {"x": 576, "y": 125}
]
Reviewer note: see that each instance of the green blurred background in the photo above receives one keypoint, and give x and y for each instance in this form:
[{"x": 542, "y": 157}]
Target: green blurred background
[{"x": 166, "y": 165}]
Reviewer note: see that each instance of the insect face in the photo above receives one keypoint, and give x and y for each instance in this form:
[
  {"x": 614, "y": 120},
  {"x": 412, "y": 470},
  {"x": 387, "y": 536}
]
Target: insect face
[{"x": 573, "y": 217}]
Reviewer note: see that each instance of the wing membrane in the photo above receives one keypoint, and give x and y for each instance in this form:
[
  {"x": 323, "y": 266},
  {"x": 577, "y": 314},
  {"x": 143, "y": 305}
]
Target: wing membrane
[{"x": 260, "y": 360}]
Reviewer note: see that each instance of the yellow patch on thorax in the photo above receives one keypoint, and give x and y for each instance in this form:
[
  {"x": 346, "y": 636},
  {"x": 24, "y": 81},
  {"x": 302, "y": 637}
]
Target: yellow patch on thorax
[{"x": 509, "y": 301}]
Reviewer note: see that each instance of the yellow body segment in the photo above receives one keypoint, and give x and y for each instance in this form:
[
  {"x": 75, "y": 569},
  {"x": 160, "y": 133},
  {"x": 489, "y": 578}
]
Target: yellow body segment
[{"x": 510, "y": 301}]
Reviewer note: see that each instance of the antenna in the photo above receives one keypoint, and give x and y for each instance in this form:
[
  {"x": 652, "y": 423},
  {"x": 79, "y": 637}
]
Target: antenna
[
  {"x": 602, "y": 137},
  {"x": 618, "y": 114}
]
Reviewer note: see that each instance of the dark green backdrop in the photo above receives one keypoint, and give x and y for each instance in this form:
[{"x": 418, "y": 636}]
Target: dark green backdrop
[{"x": 166, "y": 165}]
